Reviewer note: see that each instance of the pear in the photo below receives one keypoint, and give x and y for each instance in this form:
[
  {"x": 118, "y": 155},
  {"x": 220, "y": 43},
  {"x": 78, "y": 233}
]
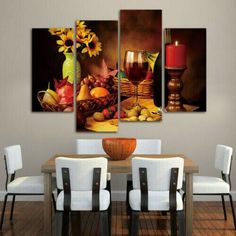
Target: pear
[
  {"x": 84, "y": 93},
  {"x": 50, "y": 97}
]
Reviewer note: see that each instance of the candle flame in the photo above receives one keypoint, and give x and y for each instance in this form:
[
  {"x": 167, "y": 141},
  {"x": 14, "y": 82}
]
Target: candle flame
[{"x": 176, "y": 43}]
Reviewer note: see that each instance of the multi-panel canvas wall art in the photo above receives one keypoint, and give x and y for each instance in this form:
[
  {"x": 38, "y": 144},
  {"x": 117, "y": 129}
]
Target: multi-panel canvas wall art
[
  {"x": 53, "y": 69},
  {"x": 97, "y": 88},
  {"x": 86, "y": 58},
  {"x": 140, "y": 65},
  {"x": 185, "y": 70}
]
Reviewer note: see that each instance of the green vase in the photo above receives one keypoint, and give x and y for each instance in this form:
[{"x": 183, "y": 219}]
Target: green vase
[{"x": 68, "y": 68}]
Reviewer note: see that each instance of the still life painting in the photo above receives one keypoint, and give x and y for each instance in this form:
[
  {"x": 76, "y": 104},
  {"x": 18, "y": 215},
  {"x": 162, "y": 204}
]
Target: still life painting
[
  {"x": 53, "y": 69},
  {"x": 140, "y": 73},
  {"x": 185, "y": 70},
  {"x": 96, "y": 90}
]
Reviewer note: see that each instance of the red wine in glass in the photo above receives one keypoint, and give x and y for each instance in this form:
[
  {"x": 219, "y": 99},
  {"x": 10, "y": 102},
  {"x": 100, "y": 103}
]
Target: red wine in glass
[
  {"x": 136, "y": 72},
  {"x": 136, "y": 68}
]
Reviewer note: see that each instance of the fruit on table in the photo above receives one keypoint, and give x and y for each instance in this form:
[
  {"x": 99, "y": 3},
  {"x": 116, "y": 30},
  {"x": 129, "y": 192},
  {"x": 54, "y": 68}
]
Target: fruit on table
[
  {"x": 84, "y": 93},
  {"x": 133, "y": 118},
  {"x": 65, "y": 94},
  {"x": 98, "y": 116},
  {"x": 142, "y": 118},
  {"x": 89, "y": 106},
  {"x": 68, "y": 109},
  {"x": 139, "y": 113},
  {"x": 145, "y": 112},
  {"x": 99, "y": 81},
  {"x": 99, "y": 92},
  {"x": 50, "y": 97},
  {"x": 65, "y": 91},
  {"x": 122, "y": 115},
  {"x": 132, "y": 112},
  {"x": 107, "y": 113}
]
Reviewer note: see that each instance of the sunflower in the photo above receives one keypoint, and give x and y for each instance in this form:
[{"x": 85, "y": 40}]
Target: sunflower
[
  {"x": 80, "y": 25},
  {"x": 66, "y": 42},
  {"x": 57, "y": 31},
  {"x": 93, "y": 46},
  {"x": 82, "y": 33}
]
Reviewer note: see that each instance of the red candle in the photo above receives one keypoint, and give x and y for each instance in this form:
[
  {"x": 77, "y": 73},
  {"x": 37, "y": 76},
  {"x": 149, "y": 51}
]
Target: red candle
[{"x": 176, "y": 55}]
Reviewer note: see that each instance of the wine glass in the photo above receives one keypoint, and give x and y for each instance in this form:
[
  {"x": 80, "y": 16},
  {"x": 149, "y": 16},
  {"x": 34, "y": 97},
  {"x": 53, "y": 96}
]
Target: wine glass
[{"x": 136, "y": 68}]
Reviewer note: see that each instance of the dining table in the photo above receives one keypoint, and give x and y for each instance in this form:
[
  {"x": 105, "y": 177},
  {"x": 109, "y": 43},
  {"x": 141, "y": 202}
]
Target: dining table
[{"x": 121, "y": 167}]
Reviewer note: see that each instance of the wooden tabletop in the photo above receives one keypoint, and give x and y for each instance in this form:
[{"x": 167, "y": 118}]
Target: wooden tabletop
[{"x": 123, "y": 166}]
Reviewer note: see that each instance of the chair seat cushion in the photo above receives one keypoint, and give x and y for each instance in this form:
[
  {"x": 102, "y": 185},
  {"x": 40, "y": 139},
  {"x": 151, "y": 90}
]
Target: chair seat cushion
[
  {"x": 210, "y": 185},
  {"x": 27, "y": 185},
  {"x": 157, "y": 200},
  {"x": 82, "y": 200}
]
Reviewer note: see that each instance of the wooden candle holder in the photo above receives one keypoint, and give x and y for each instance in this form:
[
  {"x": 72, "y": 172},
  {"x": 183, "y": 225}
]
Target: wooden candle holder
[{"x": 175, "y": 86}]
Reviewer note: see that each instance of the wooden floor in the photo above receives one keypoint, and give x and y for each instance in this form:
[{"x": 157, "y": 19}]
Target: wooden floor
[{"x": 208, "y": 221}]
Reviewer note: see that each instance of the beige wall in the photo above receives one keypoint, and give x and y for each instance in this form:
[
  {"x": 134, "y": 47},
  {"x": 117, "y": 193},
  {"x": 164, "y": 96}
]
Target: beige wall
[{"x": 42, "y": 135}]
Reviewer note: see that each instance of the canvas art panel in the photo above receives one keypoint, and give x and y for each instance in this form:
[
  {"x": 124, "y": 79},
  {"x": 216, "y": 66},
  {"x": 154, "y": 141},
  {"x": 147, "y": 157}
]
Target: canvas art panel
[
  {"x": 96, "y": 90},
  {"x": 140, "y": 72},
  {"x": 185, "y": 70},
  {"x": 53, "y": 69}
]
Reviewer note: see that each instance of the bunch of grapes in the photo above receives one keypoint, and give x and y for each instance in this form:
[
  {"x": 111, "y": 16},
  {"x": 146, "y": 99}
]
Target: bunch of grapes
[{"x": 92, "y": 82}]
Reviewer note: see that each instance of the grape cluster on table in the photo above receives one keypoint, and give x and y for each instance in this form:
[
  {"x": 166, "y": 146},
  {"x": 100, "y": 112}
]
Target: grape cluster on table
[{"x": 93, "y": 82}]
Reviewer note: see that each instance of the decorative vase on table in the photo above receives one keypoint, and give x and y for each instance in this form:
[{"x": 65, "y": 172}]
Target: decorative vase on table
[{"x": 68, "y": 68}]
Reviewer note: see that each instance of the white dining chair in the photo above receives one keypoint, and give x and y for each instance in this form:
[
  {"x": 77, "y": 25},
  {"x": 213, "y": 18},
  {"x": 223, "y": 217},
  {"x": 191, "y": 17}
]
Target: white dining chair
[
  {"x": 25, "y": 185},
  {"x": 82, "y": 186},
  {"x": 143, "y": 146},
  {"x": 208, "y": 185},
  {"x": 89, "y": 146},
  {"x": 156, "y": 182},
  {"x": 92, "y": 146},
  {"x": 148, "y": 146}
]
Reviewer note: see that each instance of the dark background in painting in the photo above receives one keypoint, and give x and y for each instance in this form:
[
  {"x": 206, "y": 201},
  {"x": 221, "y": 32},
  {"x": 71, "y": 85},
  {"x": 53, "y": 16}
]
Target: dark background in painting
[
  {"x": 142, "y": 30},
  {"x": 46, "y": 63},
  {"x": 107, "y": 32},
  {"x": 194, "y": 77}
]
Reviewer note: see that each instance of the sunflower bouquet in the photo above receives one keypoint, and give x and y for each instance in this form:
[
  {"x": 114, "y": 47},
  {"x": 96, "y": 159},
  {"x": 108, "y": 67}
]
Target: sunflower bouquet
[{"x": 86, "y": 40}]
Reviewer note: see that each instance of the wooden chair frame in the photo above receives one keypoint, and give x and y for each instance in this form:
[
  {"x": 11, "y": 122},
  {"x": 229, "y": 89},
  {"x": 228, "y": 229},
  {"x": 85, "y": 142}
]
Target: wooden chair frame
[
  {"x": 174, "y": 214},
  {"x": 12, "y": 177},
  {"x": 62, "y": 217}
]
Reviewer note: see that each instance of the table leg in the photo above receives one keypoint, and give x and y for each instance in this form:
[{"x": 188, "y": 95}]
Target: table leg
[
  {"x": 189, "y": 203},
  {"x": 47, "y": 204}
]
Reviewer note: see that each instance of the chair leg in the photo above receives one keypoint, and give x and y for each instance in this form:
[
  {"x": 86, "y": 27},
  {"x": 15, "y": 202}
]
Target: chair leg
[
  {"x": 232, "y": 207},
  {"x": 12, "y": 208},
  {"x": 108, "y": 188},
  {"x": 181, "y": 220},
  {"x": 134, "y": 223},
  {"x": 57, "y": 229},
  {"x": 173, "y": 223},
  {"x": 65, "y": 225},
  {"x": 76, "y": 223},
  {"x": 128, "y": 189},
  {"x": 54, "y": 201},
  {"x": 110, "y": 218},
  {"x": 3, "y": 211},
  {"x": 223, "y": 205},
  {"x": 104, "y": 223}
]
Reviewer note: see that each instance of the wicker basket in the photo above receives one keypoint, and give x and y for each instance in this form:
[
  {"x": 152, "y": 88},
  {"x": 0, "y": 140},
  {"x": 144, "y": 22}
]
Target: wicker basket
[
  {"x": 44, "y": 105},
  {"x": 127, "y": 89}
]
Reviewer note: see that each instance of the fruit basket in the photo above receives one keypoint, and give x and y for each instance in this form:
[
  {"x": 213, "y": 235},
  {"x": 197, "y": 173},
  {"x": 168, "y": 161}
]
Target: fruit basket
[
  {"x": 51, "y": 105},
  {"x": 145, "y": 89}
]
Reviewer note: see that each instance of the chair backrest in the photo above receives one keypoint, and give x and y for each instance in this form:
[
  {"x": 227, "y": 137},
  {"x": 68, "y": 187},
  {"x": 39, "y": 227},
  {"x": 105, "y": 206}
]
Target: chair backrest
[
  {"x": 158, "y": 172},
  {"x": 13, "y": 158},
  {"x": 148, "y": 146},
  {"x": 89, "y": 146},
  {"x": 223, "y": 157},
  {"x": 81, "y": 172}
]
